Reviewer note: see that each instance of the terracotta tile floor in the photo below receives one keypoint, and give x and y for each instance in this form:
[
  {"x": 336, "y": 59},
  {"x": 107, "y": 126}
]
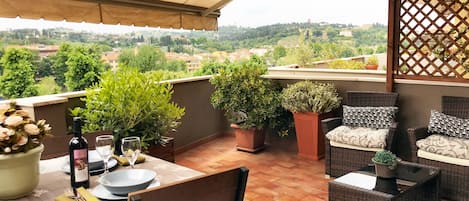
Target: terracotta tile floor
[{"x": 276, "y": 173}]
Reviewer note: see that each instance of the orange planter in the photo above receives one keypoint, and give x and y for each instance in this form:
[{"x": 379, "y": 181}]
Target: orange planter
[
  {"x": 309, "y": 135},
  {"x": 371, "y": 67},
  {"x": 250, "y": 140}
]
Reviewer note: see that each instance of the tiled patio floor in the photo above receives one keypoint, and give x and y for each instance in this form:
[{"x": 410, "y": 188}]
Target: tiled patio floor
[{"x": 276, "y": 173}]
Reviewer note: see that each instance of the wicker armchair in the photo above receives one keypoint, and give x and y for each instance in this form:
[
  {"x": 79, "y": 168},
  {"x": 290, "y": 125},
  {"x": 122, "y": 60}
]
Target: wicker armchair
[
  {"x": 454, "y": 178},
  {"x": 340, "y": 161}
]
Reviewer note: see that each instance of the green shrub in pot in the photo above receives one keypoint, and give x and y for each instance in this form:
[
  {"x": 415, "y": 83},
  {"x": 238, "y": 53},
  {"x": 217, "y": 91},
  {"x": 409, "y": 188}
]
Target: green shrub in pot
[
  {"x": 307, "y": 96},
  {"x": 131, "y": 104},
  {"x": 248, "y": 99}
]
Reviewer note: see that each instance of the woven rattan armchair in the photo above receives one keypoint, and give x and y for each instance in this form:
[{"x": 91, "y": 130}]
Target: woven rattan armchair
[
  {"x": 454, "y": 178},
  {"x": 340, "y": 161}
]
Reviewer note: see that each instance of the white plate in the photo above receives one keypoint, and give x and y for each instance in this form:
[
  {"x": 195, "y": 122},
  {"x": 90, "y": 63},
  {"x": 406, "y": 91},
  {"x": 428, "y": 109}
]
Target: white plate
[
  {"x": 111, "y": 164},
  {"x": 100, "y": 192}
]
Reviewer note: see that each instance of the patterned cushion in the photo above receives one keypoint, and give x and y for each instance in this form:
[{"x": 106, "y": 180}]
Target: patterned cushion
[
  {"x": 448, "y": 125},
  {"x": 369, "y": 117},
  {"x": 445, "y": 145},
  {"x": 359, "y": 136}
]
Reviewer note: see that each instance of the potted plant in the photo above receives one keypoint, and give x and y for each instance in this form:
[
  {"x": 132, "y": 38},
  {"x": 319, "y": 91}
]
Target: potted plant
[
  {"x": 131, "y": 103},
  {"x": 385, "y": 164},
  {"x": 372, "y": 63},
  {"x": 20, "y": 151},
  {"x": 249, "y": 102},
  {"x": 310, "y": 103}
]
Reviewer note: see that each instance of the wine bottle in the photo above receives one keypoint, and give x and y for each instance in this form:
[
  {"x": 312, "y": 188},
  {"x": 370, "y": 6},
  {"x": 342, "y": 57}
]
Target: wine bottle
[{"x": 78, "y": 151}]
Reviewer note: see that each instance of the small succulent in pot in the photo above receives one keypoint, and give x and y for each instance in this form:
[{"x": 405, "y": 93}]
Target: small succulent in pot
[
  {"x": 385, "y": 163},
  {"x": 18, "y": 132}
]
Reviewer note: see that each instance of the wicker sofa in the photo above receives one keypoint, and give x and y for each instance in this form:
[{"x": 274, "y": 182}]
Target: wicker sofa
[
  {"x": 454, "y": 177},
  {"x": 340, "y": 160}
]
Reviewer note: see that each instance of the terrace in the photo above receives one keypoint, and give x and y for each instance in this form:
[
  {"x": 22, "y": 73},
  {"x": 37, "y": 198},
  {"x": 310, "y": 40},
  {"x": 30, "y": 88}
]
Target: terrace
[{"x": 204, "y": 141}]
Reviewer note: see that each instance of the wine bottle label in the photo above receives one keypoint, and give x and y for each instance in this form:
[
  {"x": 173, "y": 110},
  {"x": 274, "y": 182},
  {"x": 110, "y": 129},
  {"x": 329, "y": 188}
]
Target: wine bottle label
[{"x": 81, "y": 164}]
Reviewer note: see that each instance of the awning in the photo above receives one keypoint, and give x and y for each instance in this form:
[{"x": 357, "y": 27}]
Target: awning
[{"x": 186, "y": 14}]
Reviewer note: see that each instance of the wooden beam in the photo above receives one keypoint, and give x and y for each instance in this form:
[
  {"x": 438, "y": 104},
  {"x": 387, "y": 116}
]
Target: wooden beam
[
  {"x": 393, "y": 43},
  {"x": 217, "y": 6}
]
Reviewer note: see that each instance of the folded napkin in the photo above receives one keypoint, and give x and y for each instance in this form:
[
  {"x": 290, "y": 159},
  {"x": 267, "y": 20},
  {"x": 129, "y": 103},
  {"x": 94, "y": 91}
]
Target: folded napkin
[
  {"x": 122, "y": 160},
  {"x": 68, "y": 196}
]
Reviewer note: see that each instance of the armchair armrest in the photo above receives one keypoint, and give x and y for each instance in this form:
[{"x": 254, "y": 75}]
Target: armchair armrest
[
  {"x": 390, "y": 136},
  {"x": 330, "y": 123},
  {"x": 414, "y": 135}
]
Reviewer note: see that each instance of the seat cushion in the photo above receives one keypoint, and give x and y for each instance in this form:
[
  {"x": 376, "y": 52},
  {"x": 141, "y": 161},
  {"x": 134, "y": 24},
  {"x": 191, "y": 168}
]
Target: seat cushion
[
  {"x": 441, "y": 158},
  {"x": 448, "y": 125},
  {"x": 359, "y": 136},
  {"x": 369, "y": 117},
  {"x": 445, "y": 145}
]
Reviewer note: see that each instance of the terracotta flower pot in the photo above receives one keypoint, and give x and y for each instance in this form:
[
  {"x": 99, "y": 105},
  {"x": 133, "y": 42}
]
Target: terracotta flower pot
[
  {"x": 250, "y": 140},
  {"x": 371, "y": 67},
  {"x": 19, "y": 173},
  {"x": 309, "y": 135}
]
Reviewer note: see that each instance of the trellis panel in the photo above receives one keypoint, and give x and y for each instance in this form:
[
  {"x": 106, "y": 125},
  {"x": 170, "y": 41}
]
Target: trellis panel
[{"x": 433, "y": 40}]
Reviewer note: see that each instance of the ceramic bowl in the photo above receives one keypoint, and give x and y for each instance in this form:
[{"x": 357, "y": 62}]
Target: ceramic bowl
[{"x": 123, "y": 182}]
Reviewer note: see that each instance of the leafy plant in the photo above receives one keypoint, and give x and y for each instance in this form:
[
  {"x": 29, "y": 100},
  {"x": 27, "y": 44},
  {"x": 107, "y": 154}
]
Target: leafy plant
[
  {"x": 248, "y": 99},
  {"x": 84, "y": 67},
  {"x": 47, "y": 86},
  {"x": 307, "y": 96},
  {"x": 385, "y": 157},
  {"x": 373, "y": 60},
  {"x": 131, "y": 104},
  {"x": 346, "y": 64},
  {"x": 17, "y": 80}
]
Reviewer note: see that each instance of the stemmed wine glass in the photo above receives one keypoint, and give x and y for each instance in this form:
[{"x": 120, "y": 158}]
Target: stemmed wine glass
[
  {"x": 105, "y": 148},
  {"x": 131, "y": 149}
]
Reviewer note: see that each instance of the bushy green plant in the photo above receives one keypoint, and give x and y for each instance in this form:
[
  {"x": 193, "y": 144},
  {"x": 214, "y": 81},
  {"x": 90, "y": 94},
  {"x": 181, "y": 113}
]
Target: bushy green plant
[
  {"x": 385, "y": 157},
  {"x": 307, "y": 96},
  {"x": 131, "y": 104},
  {"x": 17, "y": 80},
  {"x": 48, "y": 86},
  {"x": 248, "y": 99},
  {"x": 373, "y": 60},
  {"x": 346, "y": 64}
]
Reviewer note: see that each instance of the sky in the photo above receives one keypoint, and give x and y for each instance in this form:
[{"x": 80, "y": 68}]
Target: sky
[{"x": 251, "y": 13}]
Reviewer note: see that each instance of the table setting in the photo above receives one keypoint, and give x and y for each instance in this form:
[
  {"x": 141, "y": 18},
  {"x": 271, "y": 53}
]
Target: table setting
[{"x": 112, "y": 184}]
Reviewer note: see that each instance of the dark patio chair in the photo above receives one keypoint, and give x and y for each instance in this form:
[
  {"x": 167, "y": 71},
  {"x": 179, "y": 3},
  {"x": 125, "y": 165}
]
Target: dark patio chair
[
  {"x": 227, "y": 185},
  {"x": 454, "y": 178},
  {"x": 339, "y": 160}
]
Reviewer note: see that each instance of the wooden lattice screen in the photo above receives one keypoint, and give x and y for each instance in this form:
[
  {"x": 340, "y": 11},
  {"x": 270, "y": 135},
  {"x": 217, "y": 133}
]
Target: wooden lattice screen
[{"x": 433, "y": 40}]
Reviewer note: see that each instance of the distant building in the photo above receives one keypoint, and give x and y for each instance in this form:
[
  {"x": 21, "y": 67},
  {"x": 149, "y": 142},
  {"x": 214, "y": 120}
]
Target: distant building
[
  {"x": 42, "y": 50},
  {"x": 346, "y": 33},
  {"x": 111, "y": 58}
]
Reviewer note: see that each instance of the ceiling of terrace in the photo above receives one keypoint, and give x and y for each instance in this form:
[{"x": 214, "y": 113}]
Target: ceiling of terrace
[{"x": 185, "y": 14}]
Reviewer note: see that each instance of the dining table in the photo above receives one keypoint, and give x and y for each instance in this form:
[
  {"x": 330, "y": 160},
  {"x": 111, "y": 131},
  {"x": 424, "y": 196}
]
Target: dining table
[{"x": 54, "y": 181}]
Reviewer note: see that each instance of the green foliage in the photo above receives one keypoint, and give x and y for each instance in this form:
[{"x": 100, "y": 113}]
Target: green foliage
[
  {"x": 307, "y": 96},
  {"x": 248, "y": 99},
  {"x": 148, "y": 58},
  {"x": 59, "y": 66},
  {"x": 17, "y": 80},
  {"x": 346, "y": 64},
  {"x": 212, "y": 67},
  {"x": 131, "y": 104},
  {"x": 170, "y": 75},
  {"x": 385, "y": 157},
  {"x": 176, "y": 65},
  {"x": 44, "y": 67},
  {"x": 84, "y": 67},
  {"x": 47, "y": 86},
  {"x": 373, "y": 60},
  {"x": 303, "y": 54}
]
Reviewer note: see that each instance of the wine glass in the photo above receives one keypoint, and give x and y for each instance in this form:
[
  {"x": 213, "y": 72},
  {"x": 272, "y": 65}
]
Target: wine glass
[
  {"x": 105, "y": 148},
  {"x": 131, "y": 149}
]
